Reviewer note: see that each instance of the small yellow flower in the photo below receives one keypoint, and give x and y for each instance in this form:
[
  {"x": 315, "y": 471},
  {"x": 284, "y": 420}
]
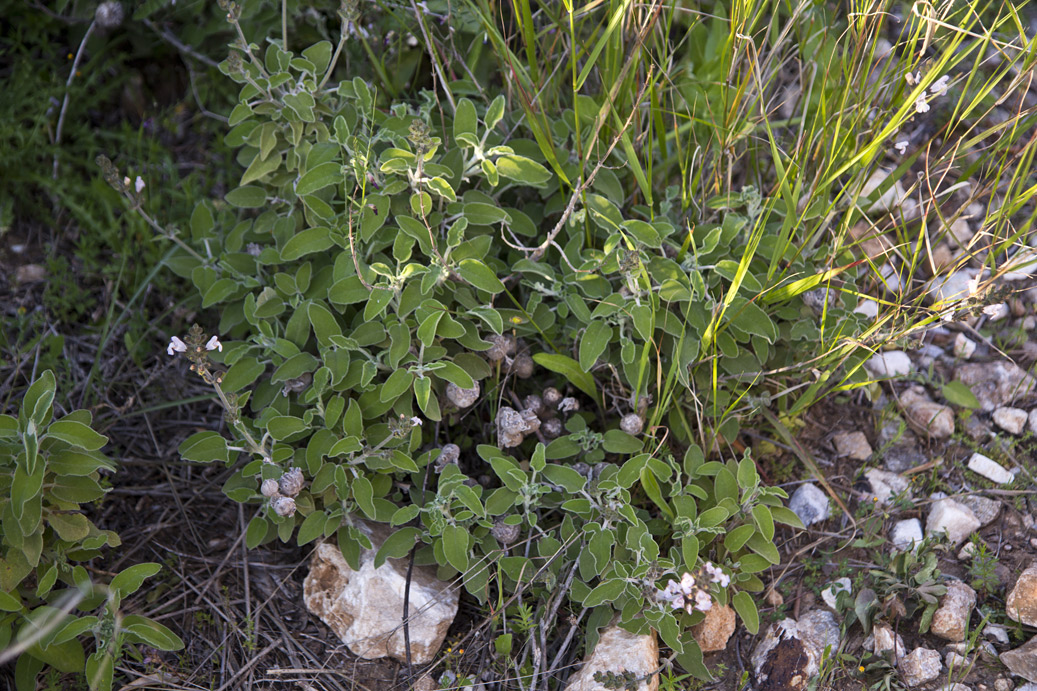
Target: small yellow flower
[
  {"x": 861, "y": 668},
  {"x": 517, "y": 320}
]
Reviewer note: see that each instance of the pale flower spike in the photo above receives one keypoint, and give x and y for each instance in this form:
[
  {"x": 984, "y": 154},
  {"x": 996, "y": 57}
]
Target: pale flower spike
[
  {"x": 921, "y": 106},
  {"x": 214, "y": 344},
  {"x": 939, "y": 87},
  {"x": 139, "y": 185},
  {"x": 176, "y": 346}
]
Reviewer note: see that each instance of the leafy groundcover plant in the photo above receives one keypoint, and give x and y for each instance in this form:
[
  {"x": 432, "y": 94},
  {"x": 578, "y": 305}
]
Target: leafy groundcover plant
[
  {"x": 48, "y": 469},
  {"x": 430, "y": 321}
]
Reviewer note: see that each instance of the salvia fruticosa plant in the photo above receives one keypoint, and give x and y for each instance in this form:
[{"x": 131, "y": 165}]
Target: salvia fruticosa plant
[{"x": 440, "y": 315}]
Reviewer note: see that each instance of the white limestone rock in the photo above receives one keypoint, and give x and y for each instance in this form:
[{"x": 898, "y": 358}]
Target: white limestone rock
[
  {"x": 920, "y": 666},
  {"x": 1021, "y": 604},
  {"x": 958, "y": 285},
  {"x": 985, "y": 509},
  {"x": 884, "y": 485},
  {"x": 892, "y": 363},
  {"x": 884, "y": 639},
  {"x": 951, "y": 620},
  {"x": 996, "y": 384},
  {"x": 810, "y": 504},
  {"x": 990, "y": 469},
  {"x": 953, "y": 518},
  {"x": 1033, "y": 421},
  {"x": 906, "y": 534},
  {"x": 964, "y": 347},
  {"x": 788, "y": 656},
  {"x": 619, "y": 651},
  {"x": 365, "y": 608},
  {"x": 831, "y": 593},
  {"x": 1011, "y": 420},
  {"x": 1022, "y": 662},
  {"x": 852, "y": 444}
]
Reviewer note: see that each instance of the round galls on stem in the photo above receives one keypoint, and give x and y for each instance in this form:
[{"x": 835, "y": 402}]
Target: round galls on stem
[
  {"x": 522, "y": 366},
  {"x": 284, "y": 506},
  {"x": 504, "y": 533},
  {"x": 109, "y": 15},
  {"x": 632, "y": 424},
  {"x": 462, "y": 398},
  {"x": 291, "y": 482},
  {"x": 270, "y": 488}
]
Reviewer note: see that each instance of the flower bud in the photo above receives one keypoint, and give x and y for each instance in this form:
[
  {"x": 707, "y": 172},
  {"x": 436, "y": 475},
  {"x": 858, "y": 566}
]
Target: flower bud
[
  {"x": 269, "y": 488},
  {"x": 291, "y": 482}
]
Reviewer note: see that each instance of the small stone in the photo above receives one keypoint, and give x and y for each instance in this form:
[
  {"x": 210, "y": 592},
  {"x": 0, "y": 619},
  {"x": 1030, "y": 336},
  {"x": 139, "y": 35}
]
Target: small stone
[
  {"x": 1011, "y": 420},
  {"x": 831, "y": 593},
  {"x": 920, "y": 666},
  {"x": 810, "y": 504},
  {"x": 885, "y": 639},
  {"x": 998, "y": 633},
  {"x": 1022, "y": 661},
  {"x": 30, "y": 273},
  {"x": 713, "y": 632},
  {"x": 869, "y": 308},
  {"x": 959, "y": 233},
  {"x": 1002, "y": 684},
  {"x": 774, "y": 598},
  {"x": 958, "y": 285},
  {"x": 885, "y": 485},
  {"x": 925, "y": 415},
  {"x": 788, "y": 656},
  {"x": 893, "y": 363},
  {"x": 619, "y": 651},
  {"x": 955, "y": 660},
  {"x": 1033, "y": 421},
  {"x": 852, "y": 444},
  {"x": 906, "y": 534},
  {"x": 903, "y": 456},
  {"x": 1021, "y": 604},
  {"x": 986, "y": 509},
  {"x": 951, "y": 620},
  {"x": 996, "y": 384},
  {"x": 954, "y": 519},
  {"x": 964, "y": 347},
  {"x": 989, "y": 469},
  {"x": 893, "y": 197},
  {"x": 967, "y": 550},
  {"x": 955, "y": 687}
]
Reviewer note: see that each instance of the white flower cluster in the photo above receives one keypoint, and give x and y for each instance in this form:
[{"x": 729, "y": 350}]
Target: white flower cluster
[
  {"x": 178, "y": 346},
  {"x": 688, "y": 595},
  {"x": 937, "y": 89}
]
